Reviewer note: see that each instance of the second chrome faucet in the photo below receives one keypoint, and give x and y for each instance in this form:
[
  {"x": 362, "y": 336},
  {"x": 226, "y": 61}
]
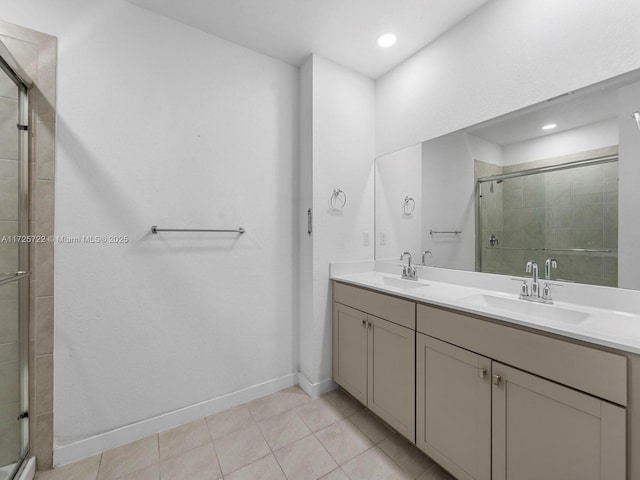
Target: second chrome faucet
[
  {"x": 534, "y": 293},
  {"x": 408, "y": 272}
]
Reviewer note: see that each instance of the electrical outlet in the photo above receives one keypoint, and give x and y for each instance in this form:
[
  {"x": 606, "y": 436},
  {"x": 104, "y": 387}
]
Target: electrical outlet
[
  {"x": 383, "y": 238},
  {"x": 365, "y": 239}
]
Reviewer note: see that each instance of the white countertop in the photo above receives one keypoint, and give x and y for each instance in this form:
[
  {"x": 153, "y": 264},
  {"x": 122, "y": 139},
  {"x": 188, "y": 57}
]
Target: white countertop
[{"x": 602, "y": 324}]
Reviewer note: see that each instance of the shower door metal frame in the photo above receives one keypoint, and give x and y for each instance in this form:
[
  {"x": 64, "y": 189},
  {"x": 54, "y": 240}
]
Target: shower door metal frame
[
  {"x": 22, "y": 276},
  {"x": 523, "y": 173}
]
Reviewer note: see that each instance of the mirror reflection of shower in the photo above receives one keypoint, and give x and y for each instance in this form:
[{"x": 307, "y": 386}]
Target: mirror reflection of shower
[
  {"x": 561, "y": 207},
  {"x": 498, "y": 182}
]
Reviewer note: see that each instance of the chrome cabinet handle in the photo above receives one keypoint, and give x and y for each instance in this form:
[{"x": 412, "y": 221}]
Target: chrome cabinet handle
[
  {"x": 496, "y": 379},
  {"x": 364, "y": 323},
  {"x": 482, "y": 373}
]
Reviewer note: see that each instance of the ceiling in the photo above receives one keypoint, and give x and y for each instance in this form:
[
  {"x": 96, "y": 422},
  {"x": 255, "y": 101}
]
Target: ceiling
[
  {"x": 344, "y": 31},
  {"x": 567, "y": 115},
  {"x": 572, "y": 110}
]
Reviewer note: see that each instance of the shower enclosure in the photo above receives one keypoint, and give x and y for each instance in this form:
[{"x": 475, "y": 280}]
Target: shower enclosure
[
  {"x": 567, "y": 211},
  {"x": 14, "y": 268}
]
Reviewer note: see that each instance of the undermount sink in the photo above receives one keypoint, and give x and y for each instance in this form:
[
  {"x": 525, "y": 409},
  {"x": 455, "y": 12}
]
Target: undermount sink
[
  {"x": 525, "y": 307},
  {"x": 403, "y": 284}
]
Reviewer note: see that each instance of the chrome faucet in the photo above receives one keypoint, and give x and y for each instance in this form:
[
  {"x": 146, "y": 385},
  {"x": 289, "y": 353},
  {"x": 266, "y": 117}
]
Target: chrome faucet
[
  {"x": 534, "y": 294},
  {"x": 546, "y": 291},
  {"x": 424, "y": 254},
  {"x": 548, "y": 265},
  {"x": 408, "y": 272}
]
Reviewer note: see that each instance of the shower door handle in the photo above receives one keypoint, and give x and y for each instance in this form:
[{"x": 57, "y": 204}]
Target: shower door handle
[
  {"x": 309, "y": 221},
  {"x": 10, "y": 277}
]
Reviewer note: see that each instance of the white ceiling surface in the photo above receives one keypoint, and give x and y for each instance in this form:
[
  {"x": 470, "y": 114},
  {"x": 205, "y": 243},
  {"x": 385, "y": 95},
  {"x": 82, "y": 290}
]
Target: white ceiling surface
[
  {"x": 586, "y": 106},
  {"x": 571, "y": 112},
  {"x": 344, "y": 31}
]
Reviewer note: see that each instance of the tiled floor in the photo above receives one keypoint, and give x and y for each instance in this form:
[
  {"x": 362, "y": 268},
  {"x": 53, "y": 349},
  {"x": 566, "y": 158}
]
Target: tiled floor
[{"x": 284, "y": 436}]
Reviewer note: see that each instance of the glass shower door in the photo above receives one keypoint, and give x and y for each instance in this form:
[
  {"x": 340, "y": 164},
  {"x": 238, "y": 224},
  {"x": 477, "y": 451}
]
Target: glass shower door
[
  {"x": 567, "y": 211},
  {"x": 14, "y": 281}
]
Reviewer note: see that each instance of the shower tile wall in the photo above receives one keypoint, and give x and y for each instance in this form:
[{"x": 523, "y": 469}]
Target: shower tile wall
[
  {"x": 574, "y": 208},
  {"x": 9, "y": 378}
]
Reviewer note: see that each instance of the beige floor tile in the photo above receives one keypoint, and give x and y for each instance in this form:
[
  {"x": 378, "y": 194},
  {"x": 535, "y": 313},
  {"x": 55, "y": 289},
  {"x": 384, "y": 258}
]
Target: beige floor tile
[
  {"x": 337, "y": 474},
  {"x": 240, "y": 448},
  {"x": 305, "y": 459},
  {"x": 319, "y": 413},
  {"x": 229, "y": 421},
  {"x": 152, "y": 472},
  {"x": 266, "y": 468},
  {"x": 405, "y": 454},
  {"x": 374, "y": 465},
  {"x": 85, "y": 469},
  {"x": 279, "y": 402},
  {"x": 345, "y": 403},
  {"x": 183, "y": 438},
  {"x": 283, "y": 429},
  {"x": 436, "y": 473},
  {"x": 129, "y": 458},
  {"x": 200, "y": 463},
  {"x": 343, "y": 440},
  {"x": 372, "y": 426}
]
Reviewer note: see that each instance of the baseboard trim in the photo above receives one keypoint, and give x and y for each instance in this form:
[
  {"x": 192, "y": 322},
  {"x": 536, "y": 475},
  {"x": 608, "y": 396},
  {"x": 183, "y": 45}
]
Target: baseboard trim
[
  {"x": 71, "y": 452},
  {"x": 314, "y": 390}
]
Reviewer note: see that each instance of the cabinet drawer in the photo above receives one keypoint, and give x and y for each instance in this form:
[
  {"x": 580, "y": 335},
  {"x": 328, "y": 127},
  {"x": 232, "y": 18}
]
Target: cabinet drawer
[
  {"x": 593, "y": 371},
  {"x": 380, "y": 305}
]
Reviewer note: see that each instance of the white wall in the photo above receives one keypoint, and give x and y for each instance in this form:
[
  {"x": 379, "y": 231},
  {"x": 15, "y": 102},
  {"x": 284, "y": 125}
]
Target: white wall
[
  {"x": 448, "y": 201},
  {"x": 628, "y": 198},
  {"x": 507, "y": 55},
  {"x": 590, "y": 137},
  {"x": 306, "y": 309},
  {"x": 161, "y": 124},
  {"x": 485, "y": 151},
  {"x": 398, "y": 175},
  {"x": 342, "y": 119}
]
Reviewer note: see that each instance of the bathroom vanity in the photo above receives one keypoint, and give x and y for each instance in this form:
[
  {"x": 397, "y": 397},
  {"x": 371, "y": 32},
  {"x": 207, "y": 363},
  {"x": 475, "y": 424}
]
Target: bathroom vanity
[{"x": 486, "y": 392}]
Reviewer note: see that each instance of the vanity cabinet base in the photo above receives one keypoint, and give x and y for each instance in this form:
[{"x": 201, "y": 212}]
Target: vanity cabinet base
[
  {"x": 453, "y": 400},
  {"x": 374, "y": 357},
  {"x": 545, "y": 430},
  {"x": 485, "y": 400}
]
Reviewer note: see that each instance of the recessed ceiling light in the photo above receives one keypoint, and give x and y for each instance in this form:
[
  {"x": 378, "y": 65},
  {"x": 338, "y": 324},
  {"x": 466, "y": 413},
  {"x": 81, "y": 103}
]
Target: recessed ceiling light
[
  {"x": 386, "y": 40},
  {"x": 549, "y": 126}
]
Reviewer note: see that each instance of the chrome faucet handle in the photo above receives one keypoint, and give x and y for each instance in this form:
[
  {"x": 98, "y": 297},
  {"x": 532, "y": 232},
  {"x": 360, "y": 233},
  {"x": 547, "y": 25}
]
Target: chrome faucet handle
[
  {"x": 413, "y": 273},
  {"x": 524, "y": 289},
  {"x": 546, "y": 294}
]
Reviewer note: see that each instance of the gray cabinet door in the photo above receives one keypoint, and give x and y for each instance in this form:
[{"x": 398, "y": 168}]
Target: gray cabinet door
[
  {"x": 543, "y": 430},
  {"x": 391, "y": 374},
  {"x": 453, "y": 415},
  {"x": 350, "y": 350}
]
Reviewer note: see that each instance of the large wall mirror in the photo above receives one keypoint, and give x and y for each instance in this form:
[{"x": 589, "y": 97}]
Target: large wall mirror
[{"x": 539, "y": 183}]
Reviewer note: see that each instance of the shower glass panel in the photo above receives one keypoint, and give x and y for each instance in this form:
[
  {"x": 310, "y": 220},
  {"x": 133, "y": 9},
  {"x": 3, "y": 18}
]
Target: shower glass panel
[
  {"x": 14, "y": 281},
  {"x": 567, "y": 212}
]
